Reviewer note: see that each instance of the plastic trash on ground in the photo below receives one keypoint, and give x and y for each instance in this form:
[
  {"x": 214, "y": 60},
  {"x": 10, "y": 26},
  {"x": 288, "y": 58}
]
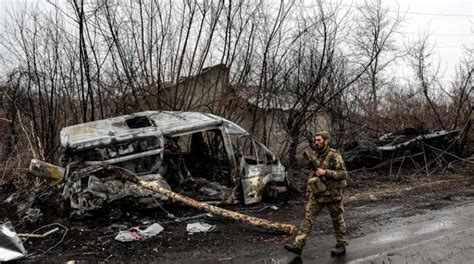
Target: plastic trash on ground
[
  {"x": 199, "y": 227},
  {"x": 135, "y": 233},
  {"x": 11, "y": 247}
]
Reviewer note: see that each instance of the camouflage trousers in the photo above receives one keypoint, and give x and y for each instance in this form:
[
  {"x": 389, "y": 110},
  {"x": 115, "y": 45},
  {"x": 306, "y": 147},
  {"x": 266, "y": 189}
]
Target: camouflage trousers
[{"x": 313, "y": 207}]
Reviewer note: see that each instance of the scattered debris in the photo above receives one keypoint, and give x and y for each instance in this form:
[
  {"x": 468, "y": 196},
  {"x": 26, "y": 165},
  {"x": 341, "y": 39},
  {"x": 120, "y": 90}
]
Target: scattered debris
[
  {"x": 199, "y": 227},
  {"x": 32, "y": 215},
  {"x": 29, "y": 205},
  {"x": 135, "y": 233},
  {"x": 11, "y": 247},
  {"x": 260, "y": 209},
  {"x": 359, "y": 154},
  {"x": 188, "y": 218},
  {"x": 115, "y": 227},
  {"x": 21, "y": 201},
  {"x": 287, "y": 228},
  {"x": 58, "y": 226},
  {"x": 46, "y": 170}
]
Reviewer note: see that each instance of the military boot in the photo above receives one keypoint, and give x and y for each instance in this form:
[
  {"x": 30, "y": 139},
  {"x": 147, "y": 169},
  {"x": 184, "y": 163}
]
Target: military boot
[
  {"x": 294, "y": 249},
  {"x": 339, "y": 250}
]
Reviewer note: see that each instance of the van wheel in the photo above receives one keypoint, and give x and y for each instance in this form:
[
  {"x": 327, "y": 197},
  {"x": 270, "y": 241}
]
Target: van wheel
[{"x": 276, "y": 192}]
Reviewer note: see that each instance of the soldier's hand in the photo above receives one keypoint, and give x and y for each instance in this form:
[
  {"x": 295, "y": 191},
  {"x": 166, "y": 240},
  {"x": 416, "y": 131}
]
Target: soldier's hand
[{"x": 320, "y": 172}]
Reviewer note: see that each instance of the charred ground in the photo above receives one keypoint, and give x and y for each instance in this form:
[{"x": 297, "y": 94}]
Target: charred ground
[{"x": 372, "y": 200}]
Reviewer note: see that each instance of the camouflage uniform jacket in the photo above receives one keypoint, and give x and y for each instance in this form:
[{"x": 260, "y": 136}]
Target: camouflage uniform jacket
[{"x": 336, "y": 175}]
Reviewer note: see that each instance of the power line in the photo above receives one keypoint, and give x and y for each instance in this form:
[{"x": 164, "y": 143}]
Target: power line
[
  {"x": 443, "y": 47},
  {"x": 406, "y": 12},
  {"x": 441, "y": 34},
  {"x": 433, "y": 14}
]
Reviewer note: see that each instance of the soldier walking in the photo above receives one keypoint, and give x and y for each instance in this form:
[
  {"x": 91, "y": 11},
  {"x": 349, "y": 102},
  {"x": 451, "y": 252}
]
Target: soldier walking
[{"x": 325, "y": 185}]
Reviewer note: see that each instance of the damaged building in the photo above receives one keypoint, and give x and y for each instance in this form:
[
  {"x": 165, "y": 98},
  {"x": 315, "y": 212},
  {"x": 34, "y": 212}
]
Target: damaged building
[{"x": 211, "y": 91}]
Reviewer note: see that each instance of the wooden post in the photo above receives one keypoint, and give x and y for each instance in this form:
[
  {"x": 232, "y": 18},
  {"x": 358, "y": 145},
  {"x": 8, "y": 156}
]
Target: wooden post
[{"x": 287, "y": 228}]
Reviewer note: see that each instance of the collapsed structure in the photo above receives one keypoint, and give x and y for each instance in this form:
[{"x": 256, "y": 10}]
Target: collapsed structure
[{"x": 407, "y": 143}]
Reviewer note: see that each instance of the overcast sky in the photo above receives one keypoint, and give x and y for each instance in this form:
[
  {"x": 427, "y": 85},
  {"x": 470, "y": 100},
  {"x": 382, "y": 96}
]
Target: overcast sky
[{"x": 449, "y": 22}]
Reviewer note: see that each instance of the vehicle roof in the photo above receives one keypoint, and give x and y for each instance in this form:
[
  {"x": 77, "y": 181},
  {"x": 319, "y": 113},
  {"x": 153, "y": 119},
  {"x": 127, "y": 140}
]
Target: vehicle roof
[{"x": 166, "y": 123}]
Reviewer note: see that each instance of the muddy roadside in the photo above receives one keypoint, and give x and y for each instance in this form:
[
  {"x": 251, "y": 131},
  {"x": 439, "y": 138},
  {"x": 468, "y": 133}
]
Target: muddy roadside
[{"x": 372, "y": 200}]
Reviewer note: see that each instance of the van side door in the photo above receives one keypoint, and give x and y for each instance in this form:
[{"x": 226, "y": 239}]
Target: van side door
[{"x": 253, "y": 169}]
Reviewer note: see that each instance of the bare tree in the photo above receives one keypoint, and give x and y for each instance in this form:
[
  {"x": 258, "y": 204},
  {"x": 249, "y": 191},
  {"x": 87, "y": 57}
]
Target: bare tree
[
  {"x": 376, "y": 30},
  {"x": 463, "y": 92},
  {"x": 283, "y": 65},
  {"x": 420, "y": 57}
]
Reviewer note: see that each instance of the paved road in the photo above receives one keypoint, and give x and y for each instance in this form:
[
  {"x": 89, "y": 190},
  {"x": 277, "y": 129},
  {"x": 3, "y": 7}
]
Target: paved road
[{"x": 440, "y": 236}]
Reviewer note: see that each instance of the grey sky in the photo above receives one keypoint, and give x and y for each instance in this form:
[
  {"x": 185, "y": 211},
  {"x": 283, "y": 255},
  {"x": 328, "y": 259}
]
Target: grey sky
[{"x": 449, "y": 22}]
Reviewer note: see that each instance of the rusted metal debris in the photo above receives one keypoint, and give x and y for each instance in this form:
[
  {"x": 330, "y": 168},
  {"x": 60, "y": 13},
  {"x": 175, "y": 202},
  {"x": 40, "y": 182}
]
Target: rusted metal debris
[
  {"x": 287, "y": 228},
  {"x": 46, "y": 170}
]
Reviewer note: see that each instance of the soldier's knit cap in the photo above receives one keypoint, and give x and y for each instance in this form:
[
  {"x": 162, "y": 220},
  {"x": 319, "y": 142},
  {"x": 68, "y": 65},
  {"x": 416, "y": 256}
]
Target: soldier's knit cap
[{"x": 324, "y": 134}]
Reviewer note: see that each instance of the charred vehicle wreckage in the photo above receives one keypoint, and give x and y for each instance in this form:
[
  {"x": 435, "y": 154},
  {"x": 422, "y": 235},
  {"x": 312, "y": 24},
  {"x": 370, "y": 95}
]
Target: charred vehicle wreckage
[{"x": 198, "y": 155}]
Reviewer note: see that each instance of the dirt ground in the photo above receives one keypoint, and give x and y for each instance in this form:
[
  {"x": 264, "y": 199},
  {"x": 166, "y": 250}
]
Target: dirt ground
[{"x": 373, "y": 198}]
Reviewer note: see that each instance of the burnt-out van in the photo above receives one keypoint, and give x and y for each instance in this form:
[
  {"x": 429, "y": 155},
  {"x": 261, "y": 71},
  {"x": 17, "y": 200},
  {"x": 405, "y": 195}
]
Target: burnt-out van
[{"x": 200, "y": 155}]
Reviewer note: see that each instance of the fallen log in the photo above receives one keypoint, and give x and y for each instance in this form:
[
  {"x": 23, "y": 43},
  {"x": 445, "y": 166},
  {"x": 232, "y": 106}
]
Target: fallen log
[{"x": 287, "y": 228}]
